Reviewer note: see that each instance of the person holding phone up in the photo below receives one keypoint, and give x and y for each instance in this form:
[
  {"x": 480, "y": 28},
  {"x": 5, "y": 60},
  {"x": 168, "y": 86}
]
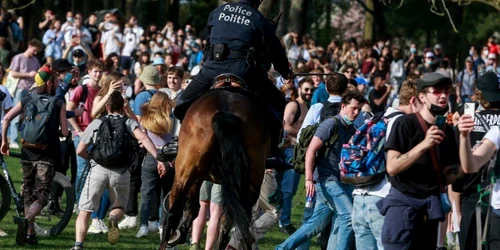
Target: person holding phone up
[{"x": 419, "y": 157}]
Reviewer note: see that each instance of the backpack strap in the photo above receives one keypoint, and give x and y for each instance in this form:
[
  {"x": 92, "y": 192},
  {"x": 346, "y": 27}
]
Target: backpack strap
[
  {"x": 151, "y": 92},
  {"x": 85, "y": 93},
  {"x": 297, "y": 114},
  {"x": 433, "y": 153}
]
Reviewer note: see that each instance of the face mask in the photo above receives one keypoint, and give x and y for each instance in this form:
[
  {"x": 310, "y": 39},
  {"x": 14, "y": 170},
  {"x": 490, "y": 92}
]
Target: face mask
[
  {"x": 380, "y": 45},
  {"x": 428, "y": 61},
  {"x": 471, "y": 53},
  {"x": 413, "y": 50},
  {"x": 436, "y": 110},
  {"x": 346, "y": 120},
  {"x": 159, "y": 40},
  {"x": 69, "y": 19},
  {"x": 485, "y": 52}
]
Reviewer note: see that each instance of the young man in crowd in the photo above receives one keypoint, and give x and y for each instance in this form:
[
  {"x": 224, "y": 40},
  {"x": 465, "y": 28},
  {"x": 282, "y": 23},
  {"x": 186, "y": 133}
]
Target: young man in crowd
[
  {"x": 174, "y": 81},
  {"x": 83, "y": 97},
  {"x": 39, "y": 156},
  {"x": 366, "y": 219},
  {"x": 379, "y": 94},
  {"x": 325, "y": 186},
  {"x": 419, "y": 161},
  {"x": 465, "y": 82},
  {"x": 295, "y": 112},
  {"x": 23, "y": 67},
  {"x": 101, "y": 177}
]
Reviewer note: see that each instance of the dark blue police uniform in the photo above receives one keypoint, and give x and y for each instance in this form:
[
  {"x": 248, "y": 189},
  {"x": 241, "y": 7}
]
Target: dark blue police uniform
[{"x": 242, "y": 42}]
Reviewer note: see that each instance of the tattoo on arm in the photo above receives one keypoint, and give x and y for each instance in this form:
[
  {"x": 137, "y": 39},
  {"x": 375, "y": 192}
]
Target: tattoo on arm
[{"x": 402, "y": 157}]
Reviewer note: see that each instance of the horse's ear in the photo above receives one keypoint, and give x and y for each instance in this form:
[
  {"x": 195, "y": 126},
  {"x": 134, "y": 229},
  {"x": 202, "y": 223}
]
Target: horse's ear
[{"x": 276, "y": 20}]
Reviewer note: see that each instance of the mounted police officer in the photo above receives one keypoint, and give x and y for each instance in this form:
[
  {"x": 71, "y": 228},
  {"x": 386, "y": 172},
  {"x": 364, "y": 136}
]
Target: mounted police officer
[{"x": 241, "y": 41}]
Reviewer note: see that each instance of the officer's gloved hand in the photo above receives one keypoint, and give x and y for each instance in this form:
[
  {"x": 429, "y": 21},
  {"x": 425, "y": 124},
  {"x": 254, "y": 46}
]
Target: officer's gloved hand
[{"x": 289, "y": 75}]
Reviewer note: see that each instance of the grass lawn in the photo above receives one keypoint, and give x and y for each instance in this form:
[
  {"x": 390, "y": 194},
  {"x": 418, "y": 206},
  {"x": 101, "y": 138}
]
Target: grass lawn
[{"x": 66, "y": 239}]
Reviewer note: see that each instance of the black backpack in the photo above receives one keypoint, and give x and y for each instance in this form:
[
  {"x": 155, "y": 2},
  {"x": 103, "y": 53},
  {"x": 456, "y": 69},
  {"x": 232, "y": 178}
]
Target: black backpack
[
  {"x": 330, "y": 109},
  {"x": 40, "y": 122},
  {"x": 113, "y": 147}
]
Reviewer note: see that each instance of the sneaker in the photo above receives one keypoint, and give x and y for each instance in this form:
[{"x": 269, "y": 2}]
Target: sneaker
[
  {"x": 288, "y": 229},
  {"x": 128, "y": 222},
  {"x": 14, "y": 145},
  {"x": 143, "y": 231},
  {"x": 94, "y": 228},
  {"x": 103, "y": 226},
  {"x": 114, "y": 232},
  {"x": 31, "y": 240},
  {"x": 2, "y": 233},
  {"x": 22, "y": 231},
  {"x": 153, "y": 227},
  {"x": 77, "y": 248},
  {"x": 195, "y": 246}
]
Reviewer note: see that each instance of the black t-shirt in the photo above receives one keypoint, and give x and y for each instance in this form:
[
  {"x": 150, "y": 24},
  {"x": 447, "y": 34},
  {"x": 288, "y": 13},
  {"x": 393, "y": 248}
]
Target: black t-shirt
[
  {"x": 420, "y": 180},
  {"x": 468, "y": 184},
  {"x": 53, "y": 154},
  {"x": 376, "y": 94},
  {"x": 94, "y": 30}
]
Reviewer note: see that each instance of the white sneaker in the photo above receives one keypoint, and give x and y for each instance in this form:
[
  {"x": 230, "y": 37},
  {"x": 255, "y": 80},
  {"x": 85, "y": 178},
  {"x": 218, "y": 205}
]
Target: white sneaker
[
  {"x": 160, "y": 231},
  {"x": 14, "y": 145},
  {"x": 143, "y": 231},
  {"x": 94, "y": 228},
  {"x": 75, "y": 209},
  {"x": 153, "y": 227},
  {"x": 128, "y": 222},
  {"x": 103, "y": 226}
]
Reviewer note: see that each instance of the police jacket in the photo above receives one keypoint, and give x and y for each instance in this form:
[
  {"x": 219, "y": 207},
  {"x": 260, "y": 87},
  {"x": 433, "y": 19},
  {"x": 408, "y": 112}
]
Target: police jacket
[{"x": 240, "y": 28}]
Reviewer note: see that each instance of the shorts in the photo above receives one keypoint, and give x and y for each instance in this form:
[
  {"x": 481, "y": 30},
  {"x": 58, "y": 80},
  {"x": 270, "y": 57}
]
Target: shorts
[
  {"x": 211, "y": 192},
  {"x": 100, "y": 178},
  {"x": 37, "y": 181}
]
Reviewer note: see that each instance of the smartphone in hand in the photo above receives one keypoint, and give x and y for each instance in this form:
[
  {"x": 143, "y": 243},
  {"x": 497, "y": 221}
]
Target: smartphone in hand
[
  {"x": 470, "y": 109},
  {"x": 441, "y": 122}
]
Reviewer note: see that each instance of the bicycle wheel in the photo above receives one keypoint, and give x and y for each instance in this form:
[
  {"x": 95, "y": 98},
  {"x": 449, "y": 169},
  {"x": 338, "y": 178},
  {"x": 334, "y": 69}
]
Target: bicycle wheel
[
  {"x": 5, "y": 197},
  {"x": 56, "y": 215}
]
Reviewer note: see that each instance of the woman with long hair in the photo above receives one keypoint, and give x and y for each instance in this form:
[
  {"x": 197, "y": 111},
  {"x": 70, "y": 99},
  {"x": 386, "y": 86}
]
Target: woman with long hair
[
  {"x": 53, "y": 40},
  {"x": 115, "y": 81},
  {"x": 158, "y": 124}
]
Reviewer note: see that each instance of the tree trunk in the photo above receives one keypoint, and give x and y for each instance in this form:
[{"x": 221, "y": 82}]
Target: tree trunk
[
  {"x": 298, "y": 16},
  {"x": 368, "y": 32},
  {"x": 266, "y": 8},
  {"x": 283, "y": 24}
]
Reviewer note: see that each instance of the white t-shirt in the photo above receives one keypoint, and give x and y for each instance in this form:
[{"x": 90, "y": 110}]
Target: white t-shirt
[
  {"x": 111, "y": 46},
  {"x": 494, "y": 136},
  {"x": 130, "y": 43},
  {"x": 7, "y": 103}
]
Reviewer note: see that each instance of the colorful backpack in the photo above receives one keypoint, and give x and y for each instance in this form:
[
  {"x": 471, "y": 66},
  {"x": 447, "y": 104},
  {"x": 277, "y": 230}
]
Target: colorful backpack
[{"x": 362, "y": 159}]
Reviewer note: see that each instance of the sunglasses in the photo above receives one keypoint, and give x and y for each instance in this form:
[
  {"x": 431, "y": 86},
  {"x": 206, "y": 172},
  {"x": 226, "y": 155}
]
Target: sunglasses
[
  {"x": 438, "y": 91},
  {"x": 308, "y": 89}
]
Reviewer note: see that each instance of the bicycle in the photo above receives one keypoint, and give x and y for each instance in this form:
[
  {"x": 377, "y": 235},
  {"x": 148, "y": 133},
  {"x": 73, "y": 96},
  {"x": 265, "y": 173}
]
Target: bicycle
[{"x": 52, "y": 219}]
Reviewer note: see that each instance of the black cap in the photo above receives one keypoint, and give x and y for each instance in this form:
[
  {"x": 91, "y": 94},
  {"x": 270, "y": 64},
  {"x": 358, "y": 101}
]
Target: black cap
[
  {"x": 489, "y": 84},
  {"x": 432, "y": 79},
  {"x": 77, "y": 53},
  {"x": 61, "y": 65}
]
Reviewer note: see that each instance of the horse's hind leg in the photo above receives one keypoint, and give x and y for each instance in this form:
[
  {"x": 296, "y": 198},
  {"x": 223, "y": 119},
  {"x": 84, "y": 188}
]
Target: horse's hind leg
[{"x": 190, "y": 212}]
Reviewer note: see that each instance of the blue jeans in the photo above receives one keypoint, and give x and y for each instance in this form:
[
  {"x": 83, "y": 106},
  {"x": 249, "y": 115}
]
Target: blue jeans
[
  {"x": 150, "y": 189},
  {"x": 14, "y": 125},
  {"x": 321, "y": 216},
  {"x": 82, "y": 171},
  {"x": 339, "y": 196},
  {"x": 103, "y": 207},
  {"x": 367, "y": 222},
  {"x": 289, "y": 180}
]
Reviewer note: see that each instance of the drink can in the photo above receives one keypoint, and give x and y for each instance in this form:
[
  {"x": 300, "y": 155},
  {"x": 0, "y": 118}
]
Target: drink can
[{"x": 309, "y": 201}]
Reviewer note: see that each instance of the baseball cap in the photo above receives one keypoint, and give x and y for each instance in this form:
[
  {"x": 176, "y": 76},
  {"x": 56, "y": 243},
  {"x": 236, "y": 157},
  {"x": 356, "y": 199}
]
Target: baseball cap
[
  {"x": 61, "y": 65},
  {"x": 158, "y": 61},
  {"x": 432, "y": 79},
  {"x": 429, "y": 54},
  {"x": 469, "y": 59},
  {"x": 489, "y": 84},
  {"x": 150, "y": 75},
  {"x": 43, "y": 75},
  {"x": 361, "y": 81},
  {"x": 77, "y": 53},
  {"x": 438, "y": 46}
]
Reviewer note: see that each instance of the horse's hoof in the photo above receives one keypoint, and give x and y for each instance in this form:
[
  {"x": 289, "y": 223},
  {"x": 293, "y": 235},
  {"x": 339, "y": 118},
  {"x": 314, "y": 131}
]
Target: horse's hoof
[{"x": 176, "y": 238}]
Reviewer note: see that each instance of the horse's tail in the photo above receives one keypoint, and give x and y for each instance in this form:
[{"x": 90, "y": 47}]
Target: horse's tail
[{"x": 235, "y": 179}]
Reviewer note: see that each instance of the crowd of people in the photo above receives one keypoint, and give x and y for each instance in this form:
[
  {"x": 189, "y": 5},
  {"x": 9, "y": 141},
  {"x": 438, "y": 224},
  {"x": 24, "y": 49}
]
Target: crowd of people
[{"x": 116, "y": 74}]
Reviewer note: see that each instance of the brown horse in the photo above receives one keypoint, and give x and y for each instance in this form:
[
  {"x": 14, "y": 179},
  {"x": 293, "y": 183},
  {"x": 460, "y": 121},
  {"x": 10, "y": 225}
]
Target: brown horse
[{"x": 223, "y": 139}]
